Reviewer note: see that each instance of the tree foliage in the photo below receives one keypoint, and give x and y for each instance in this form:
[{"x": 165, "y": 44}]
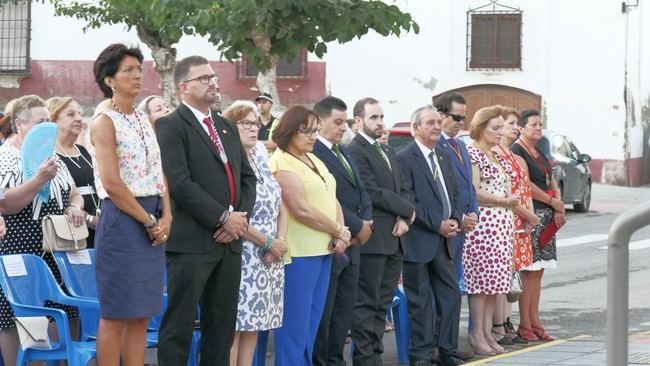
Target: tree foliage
[{"x": 262, "y": 29}]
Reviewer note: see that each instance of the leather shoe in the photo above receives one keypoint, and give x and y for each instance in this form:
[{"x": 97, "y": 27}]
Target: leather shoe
[
  {"x": 446, "y": 359},
  {"x": 421, "y": 363}
]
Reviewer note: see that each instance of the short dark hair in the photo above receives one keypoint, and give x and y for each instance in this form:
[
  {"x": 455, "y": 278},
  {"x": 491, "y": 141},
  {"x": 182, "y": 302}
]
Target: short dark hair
[
  {"x": 108, "y": 62},
  {"x": 350, "y": 122},
  {"x": 324, "y": 107},
  {"x": 183, "y": 67},
  {"x": 294, "y": 118},
  {"x": 360, "y": 106},
  {"x": 526, "y": 114},
  {"x": 443, "y": 102}
]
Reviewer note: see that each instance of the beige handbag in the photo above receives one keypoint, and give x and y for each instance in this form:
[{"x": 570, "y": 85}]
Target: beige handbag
[{"x": 60, "y": 235}]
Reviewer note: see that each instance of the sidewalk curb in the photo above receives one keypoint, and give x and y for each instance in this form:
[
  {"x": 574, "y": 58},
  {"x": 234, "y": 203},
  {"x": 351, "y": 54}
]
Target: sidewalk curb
[{"x": 526, "y": 350}]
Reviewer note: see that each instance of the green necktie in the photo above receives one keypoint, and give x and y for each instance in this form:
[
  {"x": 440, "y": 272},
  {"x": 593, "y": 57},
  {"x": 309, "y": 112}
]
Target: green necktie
[
  {"x": 381, "y": 153},
  {"x": 337, "y": 151}
]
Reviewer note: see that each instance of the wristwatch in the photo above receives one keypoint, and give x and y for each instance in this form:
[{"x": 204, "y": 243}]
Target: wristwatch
[{"x": 151, "y": 223}]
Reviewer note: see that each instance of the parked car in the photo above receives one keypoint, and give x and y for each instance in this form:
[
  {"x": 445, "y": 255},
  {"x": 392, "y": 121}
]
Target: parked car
[{"x": 570, "y": 167}]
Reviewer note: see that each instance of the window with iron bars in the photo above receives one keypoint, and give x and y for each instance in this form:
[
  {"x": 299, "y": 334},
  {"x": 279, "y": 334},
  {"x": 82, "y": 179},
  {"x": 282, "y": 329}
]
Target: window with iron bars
[
  {"x": 494, "y": 41},
  {"x": 15, "y": 35}
]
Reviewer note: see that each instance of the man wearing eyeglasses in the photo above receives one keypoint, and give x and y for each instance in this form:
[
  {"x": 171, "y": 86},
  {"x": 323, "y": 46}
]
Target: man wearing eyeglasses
[
  {"x": 453, "y": 109},
  {"x": 212, "y": 188}
]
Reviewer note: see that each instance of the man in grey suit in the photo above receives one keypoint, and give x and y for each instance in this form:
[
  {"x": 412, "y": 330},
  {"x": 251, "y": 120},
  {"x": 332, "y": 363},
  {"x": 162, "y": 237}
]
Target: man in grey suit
[
  {"x": 357, "y": 213},
  {"x": 212, "y": 188},
  {"x": 381, "y": 257}
]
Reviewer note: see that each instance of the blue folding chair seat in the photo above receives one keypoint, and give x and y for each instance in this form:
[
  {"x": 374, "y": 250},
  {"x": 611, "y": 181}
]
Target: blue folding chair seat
[{"x": 27, "y": 293}]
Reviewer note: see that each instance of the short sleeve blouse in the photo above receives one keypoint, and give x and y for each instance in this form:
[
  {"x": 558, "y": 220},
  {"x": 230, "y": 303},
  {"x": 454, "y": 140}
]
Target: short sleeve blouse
[{"x": 302, "y": 240}]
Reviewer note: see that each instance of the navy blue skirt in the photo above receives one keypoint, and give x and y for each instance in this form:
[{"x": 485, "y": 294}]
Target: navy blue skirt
[{"x": 129, "y": 269}]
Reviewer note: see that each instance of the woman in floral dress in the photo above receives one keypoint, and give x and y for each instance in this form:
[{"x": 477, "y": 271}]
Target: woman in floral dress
[
  {"x": 487, "y": 253},
  {"x": 525, "y": 220},
  {"x": 261, "y": 290}
]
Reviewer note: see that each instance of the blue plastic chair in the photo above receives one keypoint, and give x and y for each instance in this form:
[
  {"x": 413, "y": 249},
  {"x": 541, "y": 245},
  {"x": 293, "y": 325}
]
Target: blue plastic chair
[
  {"x": 80, "y": 281},
  {"x": 27, "y": 294}
]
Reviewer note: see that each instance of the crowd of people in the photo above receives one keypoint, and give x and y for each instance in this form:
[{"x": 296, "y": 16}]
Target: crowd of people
[{"x": 302, "y": 225}]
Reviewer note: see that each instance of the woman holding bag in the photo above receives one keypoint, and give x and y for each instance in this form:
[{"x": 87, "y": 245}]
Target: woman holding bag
[
  {"x": 23, "y": 213},
  {"x": 549, "y": 208}
]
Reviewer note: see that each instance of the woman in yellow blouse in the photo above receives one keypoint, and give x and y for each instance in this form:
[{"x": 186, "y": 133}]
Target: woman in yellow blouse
[{"x": 315, "y": 230}]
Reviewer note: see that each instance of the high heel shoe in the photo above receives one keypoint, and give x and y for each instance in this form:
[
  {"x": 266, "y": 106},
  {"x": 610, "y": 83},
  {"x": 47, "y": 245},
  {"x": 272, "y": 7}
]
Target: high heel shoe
[
  {"x": 501, "y": 337},
  {"x": 512, "y": 333},
  {"x": 527, "y": 334},
  {"x": 481, "y": 350},
  {"x": 541, "y": 334}
]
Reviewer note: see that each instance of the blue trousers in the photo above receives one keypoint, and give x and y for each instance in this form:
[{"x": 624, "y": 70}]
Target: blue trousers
[{"x": 306, "y": 281}]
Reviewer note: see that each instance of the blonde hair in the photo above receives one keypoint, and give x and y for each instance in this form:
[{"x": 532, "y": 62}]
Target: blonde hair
[
  {"x": 56, "y": 105},
  {"x": 481, "y": 119},
  {"x": 509, "y": 111},
  {"x": 240, "y": 109},
  {"x": 20, "y": 108}
]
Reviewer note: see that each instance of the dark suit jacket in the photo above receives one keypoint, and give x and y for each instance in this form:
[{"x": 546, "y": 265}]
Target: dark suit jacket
[
  {"x": 351, "y": 193},
  {"x": 423, "y": 238},
  {"x": 389, "y": 198},
  {"x": 197, "y": 179},
  {"x": 466, "y": 200}
]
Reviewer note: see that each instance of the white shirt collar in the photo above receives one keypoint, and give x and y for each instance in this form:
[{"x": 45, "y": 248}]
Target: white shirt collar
[
  {"x": 197, "y": 113},
  {"x": 446, "y": 136},
  {"x": 370, "y": 139},
  {"x": 325, "y": 142},
  {"x": 425, "y": 150}
]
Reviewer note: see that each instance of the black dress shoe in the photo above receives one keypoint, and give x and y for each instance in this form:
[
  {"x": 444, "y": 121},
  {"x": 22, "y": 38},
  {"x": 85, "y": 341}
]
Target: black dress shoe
[
  {"x": 421, "y": 363},
  {"x": 446, "y": 359}
]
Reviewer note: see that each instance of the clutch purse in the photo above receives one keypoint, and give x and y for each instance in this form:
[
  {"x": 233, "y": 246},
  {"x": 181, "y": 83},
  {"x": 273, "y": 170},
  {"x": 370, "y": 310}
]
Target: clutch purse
[
  {"x": 547, "y": 234},
  {"x": 32, "y": 332},
  {"x": 516, "y": 288},
  {"x": 60, "y": 235}
]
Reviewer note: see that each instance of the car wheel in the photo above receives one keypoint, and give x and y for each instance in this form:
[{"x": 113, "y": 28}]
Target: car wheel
[{"x": 584, "y": 204}]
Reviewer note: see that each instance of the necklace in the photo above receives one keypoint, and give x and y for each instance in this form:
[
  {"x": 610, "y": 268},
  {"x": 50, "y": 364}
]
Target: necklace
[
  {"x": 538, "y": 159},
  {"x": 258, "y": 171},
  {"x": 138, "y": 129},
  {"x": 71, "y": 158},
  {"x": 313, "y": 167}
]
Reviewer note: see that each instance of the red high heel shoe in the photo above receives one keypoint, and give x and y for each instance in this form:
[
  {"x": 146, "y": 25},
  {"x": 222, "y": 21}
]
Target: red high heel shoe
[
  {"x": 527, "y": 334},
  {"x": 541, "y": 333}
]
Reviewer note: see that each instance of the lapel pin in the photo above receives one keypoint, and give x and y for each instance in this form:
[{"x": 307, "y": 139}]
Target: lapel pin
[{"x": 224, "y": 131}]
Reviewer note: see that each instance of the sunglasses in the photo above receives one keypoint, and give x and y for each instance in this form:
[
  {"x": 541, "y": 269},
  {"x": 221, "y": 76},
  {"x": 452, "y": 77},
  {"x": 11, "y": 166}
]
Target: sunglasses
[
  {"x": 457, "y": 117},
  {"x": 247, "y": 124}
]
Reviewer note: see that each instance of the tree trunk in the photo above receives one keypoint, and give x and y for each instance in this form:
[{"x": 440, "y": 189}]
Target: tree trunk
[
  {"x": 164, "y": 57},
  {"x": 267, "y": 80}
]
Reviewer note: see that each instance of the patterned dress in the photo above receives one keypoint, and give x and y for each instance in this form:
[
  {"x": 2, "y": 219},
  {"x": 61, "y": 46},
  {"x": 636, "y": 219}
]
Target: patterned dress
[
  {"x": 24, "y": 233},
  {"x": 520, "y": 185},
  {"x": 261, "y": 290},
  {"x": 487, "y": 253}
]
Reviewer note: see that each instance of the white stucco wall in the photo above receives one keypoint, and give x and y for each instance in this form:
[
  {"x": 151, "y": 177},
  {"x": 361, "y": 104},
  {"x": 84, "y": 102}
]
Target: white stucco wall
[{"x": 573, "y": 55}]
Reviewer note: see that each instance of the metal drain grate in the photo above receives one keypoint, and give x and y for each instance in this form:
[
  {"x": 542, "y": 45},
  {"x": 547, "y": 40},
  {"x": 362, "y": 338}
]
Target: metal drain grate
[{"x": 639, "y": 358}]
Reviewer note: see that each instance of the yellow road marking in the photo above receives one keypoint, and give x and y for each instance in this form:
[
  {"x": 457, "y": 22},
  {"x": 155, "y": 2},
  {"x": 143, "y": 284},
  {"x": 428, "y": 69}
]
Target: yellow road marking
[{"x": 525, "y": 350}]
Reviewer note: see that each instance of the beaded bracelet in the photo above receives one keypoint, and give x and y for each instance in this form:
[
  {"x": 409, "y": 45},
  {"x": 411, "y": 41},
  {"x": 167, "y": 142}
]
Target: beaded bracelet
[{"x": 269, "y": 242}]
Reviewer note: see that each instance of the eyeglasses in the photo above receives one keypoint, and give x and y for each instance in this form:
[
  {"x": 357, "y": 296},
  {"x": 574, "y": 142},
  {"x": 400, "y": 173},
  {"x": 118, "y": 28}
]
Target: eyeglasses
[
  {"x": 247, "y": 124},
  {"x": 456, "y": 117},
  {"x": 204, "y": 79},
  {"x": 309, "y": 131}
]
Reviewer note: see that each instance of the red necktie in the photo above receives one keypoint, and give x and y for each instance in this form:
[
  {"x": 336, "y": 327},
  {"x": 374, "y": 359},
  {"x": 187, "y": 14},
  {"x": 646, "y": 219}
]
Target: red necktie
[{"x": 224, "y": 158}]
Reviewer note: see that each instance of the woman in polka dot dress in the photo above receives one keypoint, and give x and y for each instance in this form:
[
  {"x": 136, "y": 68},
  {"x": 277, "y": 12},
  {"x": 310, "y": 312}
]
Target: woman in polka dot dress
[
  {"x": 23, "y": 216},
  {"x": 487, "y": 253}
]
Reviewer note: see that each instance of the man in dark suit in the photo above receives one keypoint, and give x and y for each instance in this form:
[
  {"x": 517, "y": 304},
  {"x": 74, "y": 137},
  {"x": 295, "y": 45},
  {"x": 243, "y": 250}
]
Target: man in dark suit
[
  {"x": 212, "y": 188},
  {"x": 357, "y": 212},
  {"x": 429, "y": 270},
  {"x": 392, "y": 213}
]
